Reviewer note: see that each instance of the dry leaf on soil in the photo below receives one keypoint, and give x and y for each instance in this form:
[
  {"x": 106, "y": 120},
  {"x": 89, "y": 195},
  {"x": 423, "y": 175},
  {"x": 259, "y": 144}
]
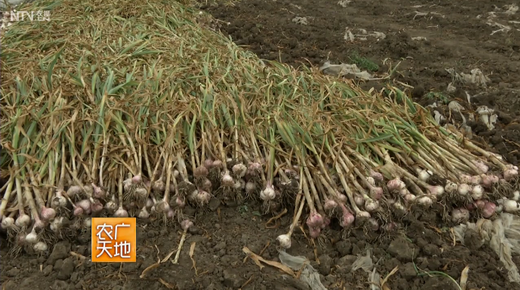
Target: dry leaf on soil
[{"x": 259, "y": 259}]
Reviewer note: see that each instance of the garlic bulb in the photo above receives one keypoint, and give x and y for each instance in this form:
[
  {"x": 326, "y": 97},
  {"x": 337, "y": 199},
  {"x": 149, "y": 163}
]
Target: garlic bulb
[{"x": 285, "y": 241}]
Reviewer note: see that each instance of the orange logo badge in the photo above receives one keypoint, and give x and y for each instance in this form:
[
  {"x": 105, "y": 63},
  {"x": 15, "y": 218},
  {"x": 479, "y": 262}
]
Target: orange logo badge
[{"x": 113, "y": 240}]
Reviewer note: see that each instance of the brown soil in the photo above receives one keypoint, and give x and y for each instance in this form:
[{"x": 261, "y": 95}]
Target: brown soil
[
  {"x": 456, "y": 38},
  {"x": 219, "y": 239}
]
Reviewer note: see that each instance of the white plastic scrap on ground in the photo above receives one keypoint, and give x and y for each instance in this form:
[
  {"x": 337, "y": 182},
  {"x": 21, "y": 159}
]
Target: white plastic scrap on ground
[
  {"x": 362, "y": 34},
  {"x": 311, "y": 276},
  {"x": 451, "y": 88},
  {"x": 456, "y": 107},
  {"x": 487, "y": 116},
  {"x": 502, "y": 235},
  {"x": 507, "y": 10},
  {"x": 429, "y": 15},
  {"x": 6, "y": 20},
  {"x": 308, "y": 275},
  {"x": 365, "y": 263},
  {"x": 476, "y": 76},
  {"x": 438, "y": 117},
  {"x": 296, "y": 6},
  {"x": 419, "y": 38},
  {"x": 300, "y": 20},
  {"x": 342, "y": 70},
  {"x": 344, "y": 3},
  {"x": 511, "y": 9}
]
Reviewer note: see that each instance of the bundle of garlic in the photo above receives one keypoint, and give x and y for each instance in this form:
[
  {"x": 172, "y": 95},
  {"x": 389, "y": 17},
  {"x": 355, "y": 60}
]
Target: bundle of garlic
[{"x": 165, "y": 123}]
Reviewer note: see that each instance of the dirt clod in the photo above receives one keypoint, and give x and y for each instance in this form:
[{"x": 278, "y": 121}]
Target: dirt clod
[
  {"x": 472, "y": 240},
  {"x": 47, "y": 270},
  {"x": 292, "y": 283},
  {"x": 325, "y": 266},
  {"x": 131, "y": 267},
  {"x": 220, "y": 246},
  {"x": 231, "y": 279},
  {"x": 402, "y": 249},
  {"x": 58, "y": 264},
  {"x": 439, "y": 283},
  {"x": 60, "y": 285},
  {"x": 345, "y": 263},
  {"x": 408, "y": 271},
  {"x": 344, "y": 248},
  {"x": 431, "y": 250},
  {"x": 13, "y": 272},
  {"x": 10, "y": 285},
  {"x": 214, "y": 203},
  {"x": 60, "y": 251}
]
